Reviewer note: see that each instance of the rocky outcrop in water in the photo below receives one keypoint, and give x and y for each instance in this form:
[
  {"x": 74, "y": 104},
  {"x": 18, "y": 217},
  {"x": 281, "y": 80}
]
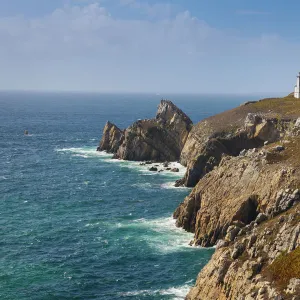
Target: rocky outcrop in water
[
  {"x": 112, "y": 138},
  {"x": 160, "y": 139}
]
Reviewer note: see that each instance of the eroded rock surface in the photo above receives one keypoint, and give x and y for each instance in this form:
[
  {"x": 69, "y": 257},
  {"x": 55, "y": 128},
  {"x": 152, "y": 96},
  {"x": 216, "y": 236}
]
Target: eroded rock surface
[
  {"x": 112, "y": 138},
  {"x": 160, "y": 139},
  {"x": 244, "y": 269}
]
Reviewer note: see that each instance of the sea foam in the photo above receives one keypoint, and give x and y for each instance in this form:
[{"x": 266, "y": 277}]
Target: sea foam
[
  {"x": 161, "y": 234},
  {"x": 178, "y": 293},
  {"x": 90, "y": 152}
]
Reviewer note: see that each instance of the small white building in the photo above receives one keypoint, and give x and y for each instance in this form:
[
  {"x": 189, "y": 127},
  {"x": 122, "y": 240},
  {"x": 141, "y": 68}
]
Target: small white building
[{"x": 297, "y": 87}]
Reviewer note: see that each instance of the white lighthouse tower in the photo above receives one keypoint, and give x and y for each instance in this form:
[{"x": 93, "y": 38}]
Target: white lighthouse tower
[{"x": 297, "y": 87}]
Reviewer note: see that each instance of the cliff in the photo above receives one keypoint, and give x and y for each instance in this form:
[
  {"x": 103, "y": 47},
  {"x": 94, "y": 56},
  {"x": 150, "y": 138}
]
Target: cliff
[
  {"x": 248, "y": 206},
  {"x": 244, "y": 166},
  {"x": 158, "y": 139},
  {"x": 226, "y": 133},
  {"x": 263, "y": 263}
]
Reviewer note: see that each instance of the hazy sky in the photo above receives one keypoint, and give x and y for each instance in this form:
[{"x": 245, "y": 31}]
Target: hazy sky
[{"x": 238, "y": 46}]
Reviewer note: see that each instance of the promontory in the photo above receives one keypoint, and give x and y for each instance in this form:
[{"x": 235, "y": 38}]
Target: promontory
[{"x": 244, "y": 167}]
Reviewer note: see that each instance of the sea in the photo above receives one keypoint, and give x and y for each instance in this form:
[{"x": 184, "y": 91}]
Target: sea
[{"x": 77, "y": 224}]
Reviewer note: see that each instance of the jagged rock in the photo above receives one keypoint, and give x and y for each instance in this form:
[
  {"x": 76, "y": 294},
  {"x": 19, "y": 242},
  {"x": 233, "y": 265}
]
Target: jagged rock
[
  {"x": 251, "y": 241},
  {"x": 234, "y": 274},
  {"x": 217, "y": 200},
  {"x": 221, "y": 244},
  {"x": 294, "y": 286},
  {"x": 166, "y": 164},
  {"x": 261, "y": 218},
  {"x": 159, "y": 139},
  {"x": 174, "y": 170},
  {"x": 232, "y": 232},
  {"x": 237, "y": 251},
  {"x": 111, "y": 139}
]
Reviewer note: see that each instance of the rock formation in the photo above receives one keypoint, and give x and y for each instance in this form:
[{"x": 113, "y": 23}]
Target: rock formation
[
  {"x": 112, "y": 138},
  {"x": 248, "y": 206},
  {"x": 244, "y": 166},
  {"x": 160, "y": 139},
  {"x": 262, "y": 263}
]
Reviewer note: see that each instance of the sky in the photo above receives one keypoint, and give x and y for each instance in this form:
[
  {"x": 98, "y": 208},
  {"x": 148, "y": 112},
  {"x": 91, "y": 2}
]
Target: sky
[{"x": 156, "y": 46}]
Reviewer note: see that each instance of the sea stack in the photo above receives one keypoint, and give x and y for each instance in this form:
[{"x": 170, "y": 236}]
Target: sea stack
[{"x": 160, "y": 139}]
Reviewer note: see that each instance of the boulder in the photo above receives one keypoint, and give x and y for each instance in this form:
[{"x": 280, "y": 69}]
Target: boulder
[
  {"x": 175, "y": 170},
  {"x": 261, "y": 218},
  {"x": 153, "y": 169}
]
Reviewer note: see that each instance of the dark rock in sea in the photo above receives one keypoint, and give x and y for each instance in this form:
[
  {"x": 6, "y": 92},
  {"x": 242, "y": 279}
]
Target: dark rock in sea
[
  {"x": 175, "y": 170},
  {"x": 153, "y": 169}
]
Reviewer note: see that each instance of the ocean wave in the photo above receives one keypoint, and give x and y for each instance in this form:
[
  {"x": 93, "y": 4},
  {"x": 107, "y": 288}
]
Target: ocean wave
[
  {"x": 161, "y": 234},
  {"x": 90, "y": 152},
  {"x": 178, "y": 292},
  {"x": 86, "y": 152},
  {"x": 171, "y": 185}
]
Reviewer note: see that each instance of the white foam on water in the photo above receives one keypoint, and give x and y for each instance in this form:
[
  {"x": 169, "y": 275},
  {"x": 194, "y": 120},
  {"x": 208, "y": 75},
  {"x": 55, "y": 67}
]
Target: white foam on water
[
  {"x": 171, "y": 185},
  {"x": 178, "y": 292},
  {"x": 90, "y": 152},
  {"x": 86, "y": 152},
  {"x": 161, "y": 234}
]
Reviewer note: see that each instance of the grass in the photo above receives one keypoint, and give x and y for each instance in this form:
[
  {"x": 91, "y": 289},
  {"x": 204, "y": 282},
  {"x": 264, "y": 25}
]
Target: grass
[
  {"x": 290, "y": 155},
  {"x": 286, "y": 107},
  {"x": 285, "y": 267}
]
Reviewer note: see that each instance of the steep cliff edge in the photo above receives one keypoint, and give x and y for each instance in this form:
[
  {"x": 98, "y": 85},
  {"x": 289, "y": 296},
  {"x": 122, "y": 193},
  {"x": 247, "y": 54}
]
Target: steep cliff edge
[
  {"x": 227, "y": 133},
  {"x": 262, "y": 263},
  {"x": 159, "y": 139},
  {"x": 248, "y": 206}
]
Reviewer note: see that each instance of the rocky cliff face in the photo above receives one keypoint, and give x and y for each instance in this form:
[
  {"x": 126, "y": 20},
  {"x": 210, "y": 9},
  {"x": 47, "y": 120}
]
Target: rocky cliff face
[
  {"x": 234, "y": 193},
  {"x": 262, "y": 263},
  {"x": 207, "y": 142},
  {"x": 159, "y": 139},
  {"x": 248, "y": 206}
]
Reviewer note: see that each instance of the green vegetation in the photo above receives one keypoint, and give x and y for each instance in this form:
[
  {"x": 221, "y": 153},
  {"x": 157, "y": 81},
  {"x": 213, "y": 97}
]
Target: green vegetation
[{"x": 285, "y": 267}]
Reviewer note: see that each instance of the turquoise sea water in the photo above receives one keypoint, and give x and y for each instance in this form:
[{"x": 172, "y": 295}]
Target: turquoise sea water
[{"x": 76, "y": 224}]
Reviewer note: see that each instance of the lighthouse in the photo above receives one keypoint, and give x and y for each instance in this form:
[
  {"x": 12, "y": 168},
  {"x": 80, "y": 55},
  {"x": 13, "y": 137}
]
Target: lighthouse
[{"x": 297, "y": 88}]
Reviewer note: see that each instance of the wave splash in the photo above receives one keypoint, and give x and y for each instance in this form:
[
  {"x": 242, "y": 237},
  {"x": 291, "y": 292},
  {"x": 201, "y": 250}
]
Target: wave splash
[
  {"x": 178, "y": 292},
  {"x": 90, "y": 152},
  {"x": 161, "y": 234}
]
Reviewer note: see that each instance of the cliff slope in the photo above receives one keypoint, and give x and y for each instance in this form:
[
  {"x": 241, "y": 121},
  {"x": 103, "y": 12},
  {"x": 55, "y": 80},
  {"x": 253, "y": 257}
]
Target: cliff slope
[
  {"x": 248, "y": 206},
  {"x": 226, "y": 133}
]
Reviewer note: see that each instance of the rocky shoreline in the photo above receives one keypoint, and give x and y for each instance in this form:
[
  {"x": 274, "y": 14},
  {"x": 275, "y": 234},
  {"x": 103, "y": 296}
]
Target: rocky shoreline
[{"x": 244, "y": 167}]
